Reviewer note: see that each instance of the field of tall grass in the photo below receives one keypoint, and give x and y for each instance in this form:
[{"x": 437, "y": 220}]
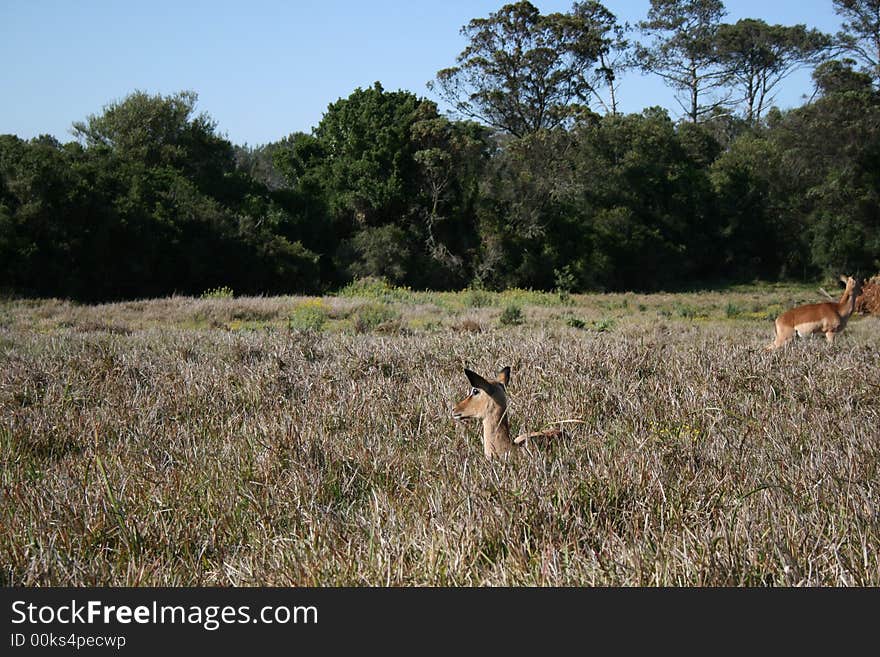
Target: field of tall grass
[{"x": 308, "y": 441}]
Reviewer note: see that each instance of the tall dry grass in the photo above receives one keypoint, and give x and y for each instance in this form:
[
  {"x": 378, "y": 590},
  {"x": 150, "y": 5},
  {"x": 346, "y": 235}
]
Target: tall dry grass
[{"x": 203, "y": 442}]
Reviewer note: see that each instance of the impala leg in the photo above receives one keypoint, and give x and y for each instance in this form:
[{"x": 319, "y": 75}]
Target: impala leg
[{"x": 783, "y": 335}]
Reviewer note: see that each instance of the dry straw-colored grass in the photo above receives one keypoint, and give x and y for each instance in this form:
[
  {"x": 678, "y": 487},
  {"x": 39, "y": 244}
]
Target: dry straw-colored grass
[{"x": 203, "y": 442}]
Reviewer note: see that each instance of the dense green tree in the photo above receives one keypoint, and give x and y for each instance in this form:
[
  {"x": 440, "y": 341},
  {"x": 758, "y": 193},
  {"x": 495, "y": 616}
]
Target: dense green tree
[
  {"x": 359, "y": 161},
  {"x": 358, "y": 158},
  {"x": 395, "y": 179},
  {"x": 623, "y": 202},
  {"x": 645, "y": 201},
  {"x": 831, "y": 148},
  {"x": 520, "y": 219},
  {"x": 523, "y": 71},
  {"x": 838, "y": 76},
  {"x": 258, "y": 164},
  {"x": 759, "y": 56},
  {"x": 147, "y": 204},
  {"x": 758, "y": 237},
  {"x": 43, "y": 216},
  {"x": 860, "y": 37},
  {"x": 612, "y": 55},
  {"x": 683, "y": 52},
  {"x": 450, "y": 157},
  {"x": 156, "y": 130},
  {"x": 151, "y": 200}
]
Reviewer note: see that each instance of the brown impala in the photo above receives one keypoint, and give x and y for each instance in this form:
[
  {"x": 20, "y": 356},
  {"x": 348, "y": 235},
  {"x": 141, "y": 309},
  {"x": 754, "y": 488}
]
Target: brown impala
[
  {"x": 829, "y": 318},
  {"x": 487, "y": 401}
]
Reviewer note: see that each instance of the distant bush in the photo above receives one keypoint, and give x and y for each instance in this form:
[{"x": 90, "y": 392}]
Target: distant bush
[
  {"x": 370, "y": 287},
  {"x": 564, "y": 281},
  {"x": 511, "y": 316},
  {"x": 685, "y": 311},
  {"x": 477, "y": 298},
  {"x": 372, "y": 315},
  {"x": 223, "y": 292},
  {"x": 602, "y": 325},
  {"x": 523, "y": 297},
  {"x": 377, "y": 289},
  {"x": 310, "y": 315}
]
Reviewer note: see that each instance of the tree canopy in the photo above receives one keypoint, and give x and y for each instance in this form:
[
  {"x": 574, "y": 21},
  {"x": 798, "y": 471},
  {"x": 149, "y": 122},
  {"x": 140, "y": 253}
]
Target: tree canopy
[
  {"x": 759, "y": 56},
  {"x": 682, "y": 51},
  {"x": 860, "y": 36},
  {"x": 530, "y": 188},
  {"x": 523, "y": 71}
]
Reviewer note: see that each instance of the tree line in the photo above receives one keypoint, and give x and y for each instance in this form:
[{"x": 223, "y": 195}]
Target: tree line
[{"x": 538, "y": 181}]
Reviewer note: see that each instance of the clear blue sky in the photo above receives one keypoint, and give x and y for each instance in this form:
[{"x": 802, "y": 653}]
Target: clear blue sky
[{"x": 264, "y": 69}]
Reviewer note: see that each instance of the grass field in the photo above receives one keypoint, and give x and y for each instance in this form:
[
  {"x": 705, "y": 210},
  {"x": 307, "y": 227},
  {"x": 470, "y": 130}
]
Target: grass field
[{"x": 308, "y": 441}]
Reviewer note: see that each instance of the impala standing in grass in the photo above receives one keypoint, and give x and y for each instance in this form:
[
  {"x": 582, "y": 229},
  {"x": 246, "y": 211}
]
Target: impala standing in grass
[{"x": 829, "y": 318}]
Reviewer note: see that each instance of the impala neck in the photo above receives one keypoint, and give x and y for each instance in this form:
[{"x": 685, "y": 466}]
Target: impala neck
[
  {"x": 496, "y": 433},
  {"x": 847, "y": 304}
]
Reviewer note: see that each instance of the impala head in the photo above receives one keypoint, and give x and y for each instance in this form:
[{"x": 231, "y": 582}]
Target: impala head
[
  {"x": 485, "y": 399},
  {"x": 851, "y": 284}
]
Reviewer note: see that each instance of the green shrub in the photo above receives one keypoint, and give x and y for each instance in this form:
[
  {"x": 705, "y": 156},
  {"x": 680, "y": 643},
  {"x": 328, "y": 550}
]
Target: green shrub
[
  {"x": 685, "y": 311},
  {"x": 310, "y": 315},
  {"x": 369, "y": 287},
  {"x": 379, "y": 289},
  {"x": 372, "y": 315},
  {"x": 602, "y": 325},
  {"x": 511, "y": 315},
  {"x": 522, "y": 297},
  {"x": 564, "y": 282},
  {"x": 223, "y": 292},
  {"x": 477, "y": 298}
]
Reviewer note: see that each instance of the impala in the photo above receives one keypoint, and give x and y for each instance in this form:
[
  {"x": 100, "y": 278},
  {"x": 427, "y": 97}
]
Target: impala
[
  {"x": 487, "y": 401},
  {"x": 829, "y": 318}
]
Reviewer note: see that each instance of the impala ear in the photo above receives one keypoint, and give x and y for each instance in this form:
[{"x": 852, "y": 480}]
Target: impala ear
[
  {"x": 504, "y": 376},
  {"x": 476, "y": 380}
]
